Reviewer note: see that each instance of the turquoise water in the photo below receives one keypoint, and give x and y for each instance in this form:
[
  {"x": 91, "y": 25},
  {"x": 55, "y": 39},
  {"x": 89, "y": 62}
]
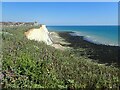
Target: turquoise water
[{"x": 107, "y": 35}]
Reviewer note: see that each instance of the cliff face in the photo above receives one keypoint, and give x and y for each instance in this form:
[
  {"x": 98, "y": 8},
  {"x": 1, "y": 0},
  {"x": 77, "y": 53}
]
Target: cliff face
[{"x": 40, "y": 34}]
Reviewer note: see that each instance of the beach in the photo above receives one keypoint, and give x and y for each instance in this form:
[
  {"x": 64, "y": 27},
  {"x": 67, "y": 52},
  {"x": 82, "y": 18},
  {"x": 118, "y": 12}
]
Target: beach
[{"x": 98, "y": 52}]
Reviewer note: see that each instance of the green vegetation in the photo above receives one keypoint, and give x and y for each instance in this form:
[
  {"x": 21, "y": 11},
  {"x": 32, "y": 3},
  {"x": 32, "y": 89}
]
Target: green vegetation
[{"x": 33, "y": 64}]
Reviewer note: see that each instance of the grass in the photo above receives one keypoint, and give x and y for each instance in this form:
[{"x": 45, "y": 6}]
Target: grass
[{"x": 31, "y": 64}]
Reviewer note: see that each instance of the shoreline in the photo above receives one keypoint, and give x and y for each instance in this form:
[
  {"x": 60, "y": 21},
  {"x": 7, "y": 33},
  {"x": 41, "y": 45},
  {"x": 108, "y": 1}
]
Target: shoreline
[
  {"x": 87, "y": 38},
  {"x": 107, "y": 35},
  {"x": 98, "y": 52}
]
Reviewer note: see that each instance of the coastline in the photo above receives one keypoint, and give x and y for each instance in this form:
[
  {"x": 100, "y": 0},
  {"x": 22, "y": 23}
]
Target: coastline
[
  {"x": 99, "y": 52},
  {"x": 89, "y": 39},
  {"x": 107, "y": 35}
]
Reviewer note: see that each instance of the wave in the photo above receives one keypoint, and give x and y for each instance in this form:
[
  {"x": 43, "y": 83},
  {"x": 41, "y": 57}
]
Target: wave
[{"x": 94, "y": 39}]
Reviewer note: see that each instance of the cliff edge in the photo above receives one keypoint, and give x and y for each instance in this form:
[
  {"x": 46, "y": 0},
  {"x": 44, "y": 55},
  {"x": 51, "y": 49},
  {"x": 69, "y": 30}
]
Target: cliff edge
[
  {"x": 40, "y": 34},
  {"x": 50, "y": 38}
]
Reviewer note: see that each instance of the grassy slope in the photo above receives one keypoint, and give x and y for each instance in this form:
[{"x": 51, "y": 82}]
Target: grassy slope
[{"x": 35, "y": 65}]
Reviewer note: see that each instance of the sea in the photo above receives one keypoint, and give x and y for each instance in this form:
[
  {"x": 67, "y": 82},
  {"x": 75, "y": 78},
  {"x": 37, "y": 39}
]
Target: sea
[{"x": 107, "y": 35}]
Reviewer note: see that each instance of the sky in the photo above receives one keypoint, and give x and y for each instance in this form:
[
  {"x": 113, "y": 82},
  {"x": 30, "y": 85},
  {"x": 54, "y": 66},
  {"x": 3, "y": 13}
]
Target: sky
[
  {"x": 60, "y": 0},
  {"x": 62, "y": 13}
]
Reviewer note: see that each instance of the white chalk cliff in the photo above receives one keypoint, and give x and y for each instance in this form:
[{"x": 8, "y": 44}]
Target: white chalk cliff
[{"x": 40, "y": 34}]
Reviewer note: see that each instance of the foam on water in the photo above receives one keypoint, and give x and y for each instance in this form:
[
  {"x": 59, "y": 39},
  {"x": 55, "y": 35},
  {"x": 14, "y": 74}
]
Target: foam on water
[{"x": 95, "y": 39}]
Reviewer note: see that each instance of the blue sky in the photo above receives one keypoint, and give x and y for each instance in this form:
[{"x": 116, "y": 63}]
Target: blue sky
[{"x": 62, "y": 13}]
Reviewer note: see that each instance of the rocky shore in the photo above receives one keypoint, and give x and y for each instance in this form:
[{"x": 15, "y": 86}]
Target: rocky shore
[{"x": 101, "y": 53}]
